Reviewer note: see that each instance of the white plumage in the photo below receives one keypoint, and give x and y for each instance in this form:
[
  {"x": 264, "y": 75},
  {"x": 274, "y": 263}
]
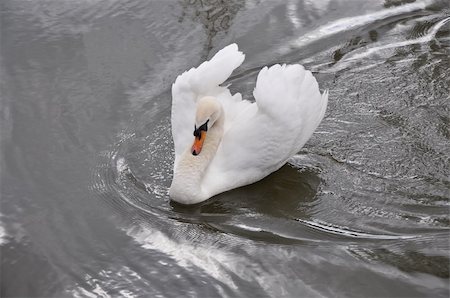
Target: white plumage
[{"x": 256, "y": 138}]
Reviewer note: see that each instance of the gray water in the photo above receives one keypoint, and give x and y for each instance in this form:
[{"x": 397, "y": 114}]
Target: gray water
[{"x": 86, "y": 152}]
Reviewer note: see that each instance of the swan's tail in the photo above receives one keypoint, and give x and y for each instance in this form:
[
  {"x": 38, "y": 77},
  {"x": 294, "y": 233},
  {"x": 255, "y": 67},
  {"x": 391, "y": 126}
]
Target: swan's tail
[{"x": 210, "y": 74}]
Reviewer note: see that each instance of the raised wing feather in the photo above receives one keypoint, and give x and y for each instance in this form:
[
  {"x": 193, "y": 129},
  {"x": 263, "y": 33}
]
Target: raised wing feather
[
  {"x": 290, "y": 95},
  {"x": 196, "y": 83}
]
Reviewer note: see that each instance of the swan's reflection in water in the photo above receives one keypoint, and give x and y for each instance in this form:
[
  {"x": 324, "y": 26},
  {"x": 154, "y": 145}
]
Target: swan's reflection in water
[
  {"x": 266, "y": 210},
  {"x": 285, "y": 193}
]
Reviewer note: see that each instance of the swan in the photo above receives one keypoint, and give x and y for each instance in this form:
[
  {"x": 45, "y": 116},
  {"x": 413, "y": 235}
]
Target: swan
[{"x": 223, "y": 142}]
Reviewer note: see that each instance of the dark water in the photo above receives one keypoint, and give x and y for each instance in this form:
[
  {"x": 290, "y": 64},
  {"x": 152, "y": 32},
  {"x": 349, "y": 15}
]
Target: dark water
[{"x": 86, "y": 152}]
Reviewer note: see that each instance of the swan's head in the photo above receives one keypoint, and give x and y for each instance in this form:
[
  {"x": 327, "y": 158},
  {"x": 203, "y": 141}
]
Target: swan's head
[{"x": 208, "y": 112}]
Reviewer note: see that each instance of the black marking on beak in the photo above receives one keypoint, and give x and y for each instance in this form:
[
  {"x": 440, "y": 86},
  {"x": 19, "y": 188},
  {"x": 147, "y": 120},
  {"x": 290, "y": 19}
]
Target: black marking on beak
[{"x": 197, "y": 131}]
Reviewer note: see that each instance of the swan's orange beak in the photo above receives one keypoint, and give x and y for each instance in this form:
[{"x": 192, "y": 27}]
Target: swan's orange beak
[{"x": 198, "y": 143}]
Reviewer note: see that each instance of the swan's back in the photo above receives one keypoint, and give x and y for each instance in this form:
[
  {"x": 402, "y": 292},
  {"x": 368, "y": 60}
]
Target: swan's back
[{"x": 288, "y": 109}]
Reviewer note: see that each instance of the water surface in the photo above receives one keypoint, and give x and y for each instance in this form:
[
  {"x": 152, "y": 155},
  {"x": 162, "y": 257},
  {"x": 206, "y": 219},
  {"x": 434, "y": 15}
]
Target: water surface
[{"x": 362, "y": 210}]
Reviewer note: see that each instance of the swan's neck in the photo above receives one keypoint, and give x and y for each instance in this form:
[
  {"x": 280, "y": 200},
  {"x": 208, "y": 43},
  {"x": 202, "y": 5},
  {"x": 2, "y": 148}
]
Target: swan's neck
[{"x": 188, "y": 175}]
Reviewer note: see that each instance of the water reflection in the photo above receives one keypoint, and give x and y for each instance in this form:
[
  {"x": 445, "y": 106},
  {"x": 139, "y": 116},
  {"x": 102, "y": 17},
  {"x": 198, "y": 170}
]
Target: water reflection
[
  {"x": 411, "y": 261},
  {"x": 215, "y": 16},
  {"x": 284, "y": 193},
  {"x": 87, "y": 154},
  {"x": 264, "y": 211}
]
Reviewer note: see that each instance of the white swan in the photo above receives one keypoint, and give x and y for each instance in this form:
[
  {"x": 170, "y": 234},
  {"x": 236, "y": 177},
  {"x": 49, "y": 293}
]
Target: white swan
[{"x": 237, "y": 142}]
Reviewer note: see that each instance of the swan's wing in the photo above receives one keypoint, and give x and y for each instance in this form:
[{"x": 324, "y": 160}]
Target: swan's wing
[
  {"x": 290, "y": 95},
  {"x": 196, "y": 83},
  {"x": 288, "y": 109}
]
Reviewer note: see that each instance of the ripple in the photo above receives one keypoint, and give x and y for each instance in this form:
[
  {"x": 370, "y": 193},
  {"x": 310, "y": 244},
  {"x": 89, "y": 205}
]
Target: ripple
[
  {"x": 210, "y": 259},
  {"x": 364, "y": 53},
  {"x": 351, "y": 233},
  {"x": 351, "y": 23},
  {"x": 3, "y": 235}
]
